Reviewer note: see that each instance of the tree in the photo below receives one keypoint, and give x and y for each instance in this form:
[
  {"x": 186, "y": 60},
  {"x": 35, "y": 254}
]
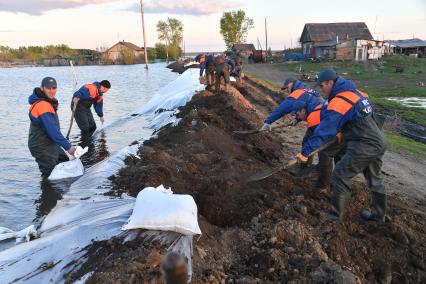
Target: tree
[
  {"x": 171, "y": 33},
  {"x": 234, "y": 26}
]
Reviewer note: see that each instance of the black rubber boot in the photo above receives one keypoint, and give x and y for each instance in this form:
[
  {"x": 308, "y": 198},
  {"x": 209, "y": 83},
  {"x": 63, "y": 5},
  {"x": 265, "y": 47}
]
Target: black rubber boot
[
  {"x": 324, "y": 177},
  {"x": 338, "y": 204},
  {"x": 378, "y": 211}
]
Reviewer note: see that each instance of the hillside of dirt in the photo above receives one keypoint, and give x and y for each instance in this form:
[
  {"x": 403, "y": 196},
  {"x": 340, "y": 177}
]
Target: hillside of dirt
[{"x": 270, "y": 231}]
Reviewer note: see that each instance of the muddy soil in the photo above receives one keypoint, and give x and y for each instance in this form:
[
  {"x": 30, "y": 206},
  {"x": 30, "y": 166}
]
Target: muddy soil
[{"x": 270, "y": 231}]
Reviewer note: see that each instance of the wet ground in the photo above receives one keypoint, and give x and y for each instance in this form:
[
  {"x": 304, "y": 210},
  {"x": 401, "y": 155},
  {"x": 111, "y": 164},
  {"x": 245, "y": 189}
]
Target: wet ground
[{"x": 268, "y": 231}]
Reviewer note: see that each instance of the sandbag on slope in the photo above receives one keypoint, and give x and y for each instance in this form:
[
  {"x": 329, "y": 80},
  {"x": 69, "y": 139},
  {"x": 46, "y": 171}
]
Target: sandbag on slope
[{"x": 160, "y": 209}]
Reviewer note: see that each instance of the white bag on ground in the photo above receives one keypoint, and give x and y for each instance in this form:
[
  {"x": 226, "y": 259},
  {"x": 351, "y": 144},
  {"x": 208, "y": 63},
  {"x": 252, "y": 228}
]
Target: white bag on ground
[
  {"x": 26, "y": 234},
  {"x": 160, "y": 209},
  {"x": 69, "y": 169}
]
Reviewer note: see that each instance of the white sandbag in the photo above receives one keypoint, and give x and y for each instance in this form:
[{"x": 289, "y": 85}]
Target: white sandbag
[
  {"x": 69, "y": 169},
  {"x": 160, "y": 209},
  {"x": 26, "y": 234},
  {"x": 232, "y": 79}
]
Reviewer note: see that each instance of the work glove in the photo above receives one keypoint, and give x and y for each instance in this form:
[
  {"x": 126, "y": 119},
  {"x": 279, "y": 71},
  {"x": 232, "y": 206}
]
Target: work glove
[
  {"x": 294, "y": 122},
  {"x": 266, "y": 127},
  {"x": 302, "y": 159}
]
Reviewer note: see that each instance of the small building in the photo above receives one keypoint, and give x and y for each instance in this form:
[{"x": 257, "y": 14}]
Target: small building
[
  {"x": 243, "y": 49},
  {"x": 121, "y": 48},
  {"x": 345, "y": 41},
  {"x": 359, "y": 50},
  {"x": 411, "y": 47}
]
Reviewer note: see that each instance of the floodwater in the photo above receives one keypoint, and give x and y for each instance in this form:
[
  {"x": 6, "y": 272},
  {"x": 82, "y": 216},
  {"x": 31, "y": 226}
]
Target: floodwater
[
  {"x": 24, "y": 197},
  {"x": 415, "y": 102}
]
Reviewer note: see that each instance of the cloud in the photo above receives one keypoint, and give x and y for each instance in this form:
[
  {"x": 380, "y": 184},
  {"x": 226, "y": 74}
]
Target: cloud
[
  {"x": 186, "y": 7},
  {"x": 38, "y": 7}
]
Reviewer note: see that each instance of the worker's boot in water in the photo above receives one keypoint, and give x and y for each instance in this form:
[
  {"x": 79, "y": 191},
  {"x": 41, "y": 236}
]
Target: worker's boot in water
[
  {"x": 338, "y": 204},
  {"x": 378, "y": 212}
]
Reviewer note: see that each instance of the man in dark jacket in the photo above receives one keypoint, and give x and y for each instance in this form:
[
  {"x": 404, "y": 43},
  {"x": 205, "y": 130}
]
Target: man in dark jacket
[
  {"x": 222, "y": 70},
  {"x": 83, "y": 99},
  {"x": 302, "y": 99},
  {"x": 349, "y": 111},
  {"x": 45, "y": 137}
]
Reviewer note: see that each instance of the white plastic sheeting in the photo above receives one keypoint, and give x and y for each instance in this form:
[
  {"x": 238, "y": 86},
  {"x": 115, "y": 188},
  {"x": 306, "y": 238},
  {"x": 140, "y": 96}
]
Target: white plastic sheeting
[{"x": 83, "y": 215}]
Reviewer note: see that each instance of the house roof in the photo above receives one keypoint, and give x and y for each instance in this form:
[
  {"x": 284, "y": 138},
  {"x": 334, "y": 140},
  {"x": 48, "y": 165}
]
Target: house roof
[
  {"x": 127, "y": 44},
  {"x": 243, "y": 47},
  {"x": 404, "y": 43},
  {"x": 329, "y": 31}
]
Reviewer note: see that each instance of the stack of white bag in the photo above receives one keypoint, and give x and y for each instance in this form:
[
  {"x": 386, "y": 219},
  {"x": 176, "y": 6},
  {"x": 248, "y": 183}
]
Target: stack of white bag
[
  {"x": 72, "y": 168},
  {"x": 160, "y": 209}
]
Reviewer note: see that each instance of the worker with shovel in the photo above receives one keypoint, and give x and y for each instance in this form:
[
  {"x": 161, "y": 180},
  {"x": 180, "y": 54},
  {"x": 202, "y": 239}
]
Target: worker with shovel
[
  {"x": 83, "y": 99},
  {"x": 299, "y": 96},
  {"x": 349, "y": 111},
  {"x": 45, "y": 137},
  {"x": 312, "y": 114}
]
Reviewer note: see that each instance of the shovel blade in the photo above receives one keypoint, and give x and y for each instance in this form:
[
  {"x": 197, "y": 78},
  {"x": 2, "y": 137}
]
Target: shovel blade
[
  {"x": 265, "y": 174},
  {"x": 251, "y": 131}
]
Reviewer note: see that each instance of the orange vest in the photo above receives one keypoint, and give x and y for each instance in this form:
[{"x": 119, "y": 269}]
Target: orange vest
[{"x": 314, "y": 118}]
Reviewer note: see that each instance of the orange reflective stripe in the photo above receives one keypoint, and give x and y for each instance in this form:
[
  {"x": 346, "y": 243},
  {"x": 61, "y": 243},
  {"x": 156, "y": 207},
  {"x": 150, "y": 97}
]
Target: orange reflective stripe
[
  {"x": 314, "y": 118},
  {"x": 296, "y": 94},
  {"x": 365, "y": 95},
  {"x": 202, "y": 58},
  {"x": 340, "y": 105},
  {"x": 41, "y": 107},
  {"x": 93, "y": 90}
]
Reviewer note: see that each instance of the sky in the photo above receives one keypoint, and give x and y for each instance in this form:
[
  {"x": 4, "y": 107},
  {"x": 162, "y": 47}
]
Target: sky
[{"x": 101, "y": 23}]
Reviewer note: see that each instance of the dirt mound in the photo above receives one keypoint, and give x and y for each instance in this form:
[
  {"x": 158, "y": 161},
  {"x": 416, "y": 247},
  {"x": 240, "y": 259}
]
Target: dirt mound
[{"x": 273, "y": 230}]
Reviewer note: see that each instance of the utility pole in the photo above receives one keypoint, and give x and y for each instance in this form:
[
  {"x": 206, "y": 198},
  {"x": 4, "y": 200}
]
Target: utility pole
[
  {"x": 145, "y": 51},
  {"x": 266, "y": 36}
]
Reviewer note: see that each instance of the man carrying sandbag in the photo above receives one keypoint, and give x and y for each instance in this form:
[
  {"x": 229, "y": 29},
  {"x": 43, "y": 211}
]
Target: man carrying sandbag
[
  {"x": 83, "y": 99},
  {"x": 45, "y": 137}
]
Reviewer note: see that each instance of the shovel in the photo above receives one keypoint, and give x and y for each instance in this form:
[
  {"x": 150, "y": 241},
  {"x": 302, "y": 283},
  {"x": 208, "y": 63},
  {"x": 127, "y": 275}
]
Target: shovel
[
  {"x": 265, "y": 174},
  {"x": 253, "y": 131}
]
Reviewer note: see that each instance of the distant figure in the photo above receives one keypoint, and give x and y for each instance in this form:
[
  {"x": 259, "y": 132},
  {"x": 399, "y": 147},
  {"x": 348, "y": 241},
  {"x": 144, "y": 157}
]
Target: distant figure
[
  {"x": 45, "y": 137},
  {"x": 222, "y": 70},
  {"x": 236, "y": 67},
  {"x": 211, "y": 68},
  {"x": 175, "y": 268},
  {"x": 83, "y": 99},
  {"x": 201, "y": 58}
]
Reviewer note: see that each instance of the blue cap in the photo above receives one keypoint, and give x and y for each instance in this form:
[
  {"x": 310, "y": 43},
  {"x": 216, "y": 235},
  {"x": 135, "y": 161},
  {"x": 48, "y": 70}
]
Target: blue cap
[
  {"x": 49, "y": 83},
  {"x": 288, "y": 81},
  {"x": 326, "y": 74}
]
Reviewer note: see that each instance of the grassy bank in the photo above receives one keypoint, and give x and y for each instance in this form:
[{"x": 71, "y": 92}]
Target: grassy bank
[{"x": 408, "y": 145}]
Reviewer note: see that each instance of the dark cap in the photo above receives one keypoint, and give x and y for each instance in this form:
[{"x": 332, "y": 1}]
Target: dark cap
[
  {"x": 288, "y": 81},
  {"x": 49, "y": 83},
  {"x": 326, "y": 74},
  {"x": 106, "y": 84}
]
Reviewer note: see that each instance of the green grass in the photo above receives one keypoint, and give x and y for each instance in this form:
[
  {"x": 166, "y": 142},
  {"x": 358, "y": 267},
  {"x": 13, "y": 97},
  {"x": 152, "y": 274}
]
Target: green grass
[
  {"x": 414, "y": 68},
  {"x": 406, "y": 144}
]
